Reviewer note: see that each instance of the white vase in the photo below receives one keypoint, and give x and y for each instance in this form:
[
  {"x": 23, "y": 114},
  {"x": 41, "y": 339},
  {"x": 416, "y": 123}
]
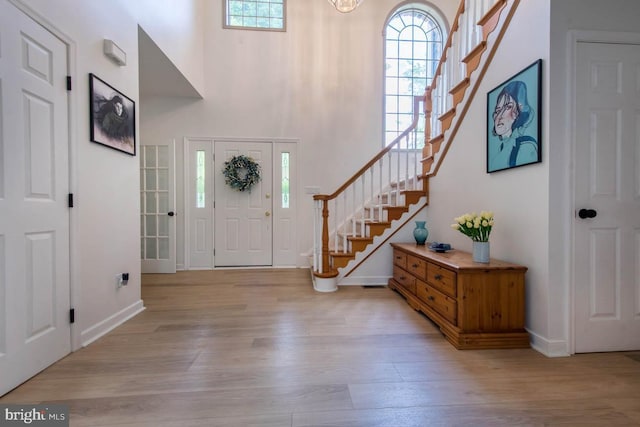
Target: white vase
[{"x": 481, "y": 252}]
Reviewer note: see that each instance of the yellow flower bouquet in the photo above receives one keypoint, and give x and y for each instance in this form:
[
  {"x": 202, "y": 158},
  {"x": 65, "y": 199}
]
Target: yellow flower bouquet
[{"x": 477, "y": 227}]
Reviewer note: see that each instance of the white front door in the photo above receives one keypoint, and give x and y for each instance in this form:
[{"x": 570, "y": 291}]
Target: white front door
[
  {"x": 157, "y": 201},
  {"x": 34, "y": 183},
  {"x": 607, "y": 198},
  {"x": 243, "y": 219}
]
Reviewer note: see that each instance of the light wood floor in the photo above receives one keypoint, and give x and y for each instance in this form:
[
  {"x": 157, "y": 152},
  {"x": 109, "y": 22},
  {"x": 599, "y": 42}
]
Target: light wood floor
[{"x": 261, "y": 348}]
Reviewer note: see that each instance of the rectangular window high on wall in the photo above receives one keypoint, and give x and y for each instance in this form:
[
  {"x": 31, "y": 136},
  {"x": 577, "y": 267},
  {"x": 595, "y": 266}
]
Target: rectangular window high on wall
[{"x": 267, "y": 15}]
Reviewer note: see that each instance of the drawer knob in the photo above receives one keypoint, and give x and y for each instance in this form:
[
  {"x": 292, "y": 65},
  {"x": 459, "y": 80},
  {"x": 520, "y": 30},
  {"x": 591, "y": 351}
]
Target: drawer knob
[
  {"x": 438, "y": 277},
  {"x": 402, "y": 277},
  {"x": 414, "y": 265},
  {"x": 431, "y": 298}
]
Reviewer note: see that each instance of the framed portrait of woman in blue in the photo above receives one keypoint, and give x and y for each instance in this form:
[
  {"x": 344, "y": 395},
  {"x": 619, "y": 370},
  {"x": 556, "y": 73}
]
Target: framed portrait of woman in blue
[{"x": 513, "y": 121}]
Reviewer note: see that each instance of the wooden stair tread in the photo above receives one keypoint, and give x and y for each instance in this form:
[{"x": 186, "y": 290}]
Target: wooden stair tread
[
  {"x": 407, "y": 190},
  {"x": 374, "y": 222},
  {"x": 359, "y": 238},
  {"x": 490, "y": 19},
  {"x": 342, "y": 254},
  {"x": 481, "y": 47}
]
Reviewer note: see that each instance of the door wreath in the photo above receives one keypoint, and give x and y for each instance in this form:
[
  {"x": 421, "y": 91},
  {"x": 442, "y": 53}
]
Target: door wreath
[{"x": 241, "y": 173}]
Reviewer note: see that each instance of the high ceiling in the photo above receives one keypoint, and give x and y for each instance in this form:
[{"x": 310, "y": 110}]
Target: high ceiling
[{"x": 158, "y": 75}]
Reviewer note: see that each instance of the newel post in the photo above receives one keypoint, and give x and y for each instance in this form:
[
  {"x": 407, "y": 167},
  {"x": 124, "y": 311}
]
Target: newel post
[{"x": 325, "y": 236}]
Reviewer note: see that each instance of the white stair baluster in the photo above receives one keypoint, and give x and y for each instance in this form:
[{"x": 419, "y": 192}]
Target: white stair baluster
[
  {"x": 371, "y": 196},
  {"x": 453, "y": 59},
  {"x": 362, "y": 206},
  {"x": 345, "y": 222},
  {"x": 340, "y": 210},
  {"x": 354, "y": 210}
]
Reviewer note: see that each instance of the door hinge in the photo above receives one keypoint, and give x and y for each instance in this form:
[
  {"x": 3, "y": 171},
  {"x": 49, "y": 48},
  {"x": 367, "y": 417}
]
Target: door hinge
[
  {"x": 70, "y": 200},
  {"x": 68, "y": 82},
  {"x": 72, "y": 315}
]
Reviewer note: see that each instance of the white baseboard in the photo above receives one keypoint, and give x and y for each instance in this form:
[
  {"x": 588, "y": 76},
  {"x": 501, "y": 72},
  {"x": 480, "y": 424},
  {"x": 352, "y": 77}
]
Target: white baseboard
[
  {"x": 550, "y": 348},
  {"x": 364, "y": 281},
  {"x": 99, "y": 329}
]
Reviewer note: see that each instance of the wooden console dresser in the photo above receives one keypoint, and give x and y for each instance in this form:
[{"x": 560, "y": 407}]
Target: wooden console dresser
[{"x": 475, "y": 305}]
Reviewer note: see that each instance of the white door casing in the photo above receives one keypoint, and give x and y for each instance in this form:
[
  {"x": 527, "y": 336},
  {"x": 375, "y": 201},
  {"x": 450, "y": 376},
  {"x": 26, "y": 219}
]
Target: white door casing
[
  {"x": 607, "y": 184},
  {"x": 199, "y": 201},
  {"x": 157, "y": 203},
  {"x": 243, "y": 219},
  {"x": 34, "y": 183}
]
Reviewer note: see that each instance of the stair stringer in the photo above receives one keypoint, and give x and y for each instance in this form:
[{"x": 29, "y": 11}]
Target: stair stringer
[
  {"x": 493, "y": 40},
  {"x": 344, "y": 273}
]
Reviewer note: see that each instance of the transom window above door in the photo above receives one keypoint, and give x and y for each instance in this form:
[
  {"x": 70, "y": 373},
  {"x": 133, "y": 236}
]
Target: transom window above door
[{"x": 269, "y": 15}]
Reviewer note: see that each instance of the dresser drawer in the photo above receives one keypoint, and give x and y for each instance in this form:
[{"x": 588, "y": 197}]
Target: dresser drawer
[
  {"x": 442, "y": 279},
  {"x": 405, "y": 279},
  {"x": 400, "y": 258},
  {"x": 444, "y": 305},
  {"x": 417, "y": 267}
]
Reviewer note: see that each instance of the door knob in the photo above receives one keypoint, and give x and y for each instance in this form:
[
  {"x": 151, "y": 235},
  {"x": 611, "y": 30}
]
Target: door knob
[
  {"x": 587, "y": 213},
  {"x": 267, "y": 213},
  {"x": 171, "y": 213}
]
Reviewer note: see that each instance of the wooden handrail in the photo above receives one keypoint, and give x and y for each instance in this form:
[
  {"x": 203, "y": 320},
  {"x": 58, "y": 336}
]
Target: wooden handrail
[
  {"x": 411, "y": 128},
  {"x": 448, "y": 44},
  {"x": 481, "y": 72},
  {"x": 429, "y": 90},
  {"x": 428, "y": 152},
  {"x": 327, "y": 270}
]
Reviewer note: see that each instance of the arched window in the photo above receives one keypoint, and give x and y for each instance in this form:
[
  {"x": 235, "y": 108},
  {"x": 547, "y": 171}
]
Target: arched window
[{"x": 414, "y": 37}]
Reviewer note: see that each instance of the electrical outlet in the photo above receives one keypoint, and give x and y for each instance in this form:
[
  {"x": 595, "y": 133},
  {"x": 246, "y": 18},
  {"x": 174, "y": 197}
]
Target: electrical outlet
[{"x": 122, "y": 280}]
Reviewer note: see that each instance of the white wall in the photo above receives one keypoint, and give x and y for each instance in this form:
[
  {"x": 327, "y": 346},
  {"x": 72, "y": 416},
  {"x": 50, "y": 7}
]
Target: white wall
[
  {"x": 320, "y": 82},
  {"x": 105, "y": 222},
  {"x": 176, "y": 26}
]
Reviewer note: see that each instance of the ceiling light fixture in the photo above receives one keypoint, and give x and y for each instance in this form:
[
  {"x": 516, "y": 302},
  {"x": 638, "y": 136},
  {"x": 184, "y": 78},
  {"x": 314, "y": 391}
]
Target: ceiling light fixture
[{"x": 345, "y": 6}]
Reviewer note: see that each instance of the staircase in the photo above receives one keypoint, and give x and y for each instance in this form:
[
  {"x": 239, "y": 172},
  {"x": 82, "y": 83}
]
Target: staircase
[{"x": 354, "y": 221}]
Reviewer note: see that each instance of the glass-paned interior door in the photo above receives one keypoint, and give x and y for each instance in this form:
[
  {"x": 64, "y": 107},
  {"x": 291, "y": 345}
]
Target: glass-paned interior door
[{"x": 157, "y": 215}]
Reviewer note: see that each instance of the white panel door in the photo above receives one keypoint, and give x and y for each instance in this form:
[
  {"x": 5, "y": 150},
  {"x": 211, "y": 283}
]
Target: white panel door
[
  {"x": 34, "y": 218},
  {"x": 607, "y": 185},
  {"x": 157, "y": 201},
  {"x": 243, "y": 220}
]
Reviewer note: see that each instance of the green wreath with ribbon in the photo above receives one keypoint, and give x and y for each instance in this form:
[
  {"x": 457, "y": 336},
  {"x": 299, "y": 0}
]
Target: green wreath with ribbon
[{"x": 241, "y": 173}]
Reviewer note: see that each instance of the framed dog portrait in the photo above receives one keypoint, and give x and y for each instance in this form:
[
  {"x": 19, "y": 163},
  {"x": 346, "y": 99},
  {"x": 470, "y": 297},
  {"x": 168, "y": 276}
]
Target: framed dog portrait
[{"x": 513, "y": 121}]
